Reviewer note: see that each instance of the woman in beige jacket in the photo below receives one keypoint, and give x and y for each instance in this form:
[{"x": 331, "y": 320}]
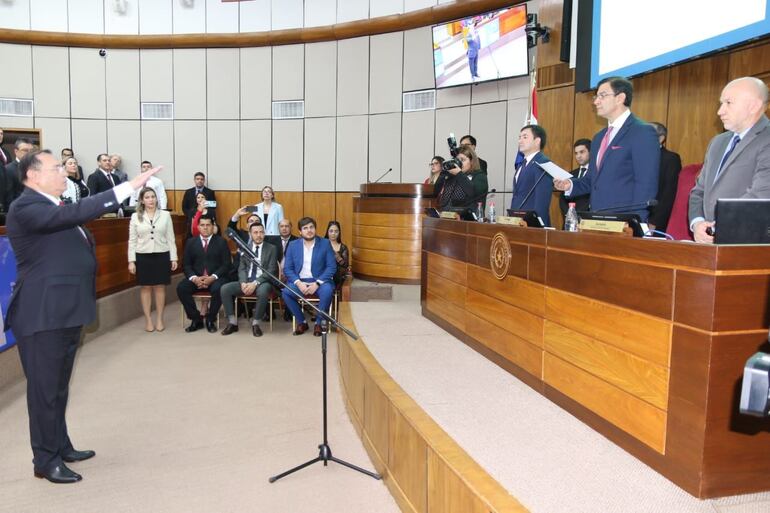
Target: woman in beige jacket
[{"x": 151, "y": 254}]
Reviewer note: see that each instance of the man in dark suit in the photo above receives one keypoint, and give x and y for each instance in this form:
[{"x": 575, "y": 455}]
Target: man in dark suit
[
  {"x": 282, "y": 240},
  {"x": 188, "y": 200},
  {"x": 251, "y": 281},
  {"x": 233, "y": 223},
  {"x": 206, "y": 259},
  {"x": 103, "y": 179},
  {"x": 582, "y": 152},
  {"x": 668, "y": 181},
  {"x": 54, "y": 296},
  {"x": 625, "y": 158},
  {"x": 5, "y": 157},
  {"x": 11, "y": 181},
  {"x": 532, "y": 186},
  {"x": 469, "y": 140},
  {"x": 737, "y": 163},
  {"x": 309, "y": 266}
]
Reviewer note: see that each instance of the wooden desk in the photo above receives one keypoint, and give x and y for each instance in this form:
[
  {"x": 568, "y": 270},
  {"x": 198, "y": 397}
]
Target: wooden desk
[
  {"x": 643, "y": 340},
  {"x": 387, "y": 231}
]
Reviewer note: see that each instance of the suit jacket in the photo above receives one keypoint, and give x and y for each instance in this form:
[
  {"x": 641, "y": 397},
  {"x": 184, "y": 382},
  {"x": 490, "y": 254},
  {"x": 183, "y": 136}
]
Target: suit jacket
[
  {"x": 215, "y": 260},
  {"x": 269, "y": 260},
  {"x": 11, "y": 186},
  {"x": 670, "y": 165},
  {"x": 156, "y": 237},
  {"x": 188, "y": 200},
  {"x": 275, "y": 240},
  {"x": 273, "y": 218},
  {"x": 534, "y": 178},
  {"x": 746, "y": 173},
  {"x": 629, "y": 171},
  {"x": 56, "y": 265},
  {"x": 97, "y": 182},
  {"x": 322, "y": 266},
  {"x": 582, "y": 203},
  {"x": 8, "y": 157}
]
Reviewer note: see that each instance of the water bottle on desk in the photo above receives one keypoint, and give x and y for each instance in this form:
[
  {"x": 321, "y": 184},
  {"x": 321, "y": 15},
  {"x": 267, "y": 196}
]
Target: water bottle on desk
[
  {"x": 571, "y": 219},
  {"x": 491, "y": 212},
  {"x": 480, "y": 212}
]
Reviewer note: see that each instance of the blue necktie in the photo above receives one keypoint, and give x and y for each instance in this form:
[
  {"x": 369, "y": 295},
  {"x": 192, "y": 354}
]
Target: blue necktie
[{"x": 733, "y": 144}]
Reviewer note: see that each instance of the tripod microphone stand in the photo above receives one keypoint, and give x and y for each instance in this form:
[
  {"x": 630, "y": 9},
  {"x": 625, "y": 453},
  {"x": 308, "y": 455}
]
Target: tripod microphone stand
[{"x": 324, "y": 450}]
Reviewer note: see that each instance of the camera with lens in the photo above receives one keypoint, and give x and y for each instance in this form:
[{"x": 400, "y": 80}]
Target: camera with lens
[{"x": 453, "y": 150}]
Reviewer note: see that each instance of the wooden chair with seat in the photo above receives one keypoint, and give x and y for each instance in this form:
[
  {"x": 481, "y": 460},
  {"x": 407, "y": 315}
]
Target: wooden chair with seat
[
  {"x": 198, "y": 297},
  {"x": 275, "y": 297}
]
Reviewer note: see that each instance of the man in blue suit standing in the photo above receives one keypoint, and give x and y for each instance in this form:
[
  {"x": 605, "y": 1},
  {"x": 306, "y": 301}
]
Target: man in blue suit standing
[
  {"x": 623, "y": 172},
  {"x": 473, "y": 41},
  {"x": 531, "y": 185},
  {"x": 309, "y": 266}
]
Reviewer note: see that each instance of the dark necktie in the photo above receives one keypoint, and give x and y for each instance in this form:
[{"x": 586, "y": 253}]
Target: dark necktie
[
  {"x": 733, "y": 144},
  {"x": 582, "y": 172},
  {"x": 109, "y": 177},
  {"x": 254, "y": 268}
]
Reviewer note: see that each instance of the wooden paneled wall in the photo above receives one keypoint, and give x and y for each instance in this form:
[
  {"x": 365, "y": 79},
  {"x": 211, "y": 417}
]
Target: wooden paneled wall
[
  {"x": 322, "y": 206},
  {"x": 684, "y": 97}
]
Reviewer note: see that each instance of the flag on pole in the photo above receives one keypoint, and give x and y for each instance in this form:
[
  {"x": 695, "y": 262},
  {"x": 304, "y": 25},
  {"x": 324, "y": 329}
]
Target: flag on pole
[{"x": 532, "y": 118}]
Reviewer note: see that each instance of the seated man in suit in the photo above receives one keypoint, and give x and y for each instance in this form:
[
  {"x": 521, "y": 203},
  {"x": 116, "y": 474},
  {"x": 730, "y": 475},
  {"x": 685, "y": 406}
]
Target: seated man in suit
[
  {"x": 532, "y": 186},
  {"x": 623, "y": 171},
  {"x": 206, "y": 258},
  {"x": 737, "y": 163},
  {"x": 309, "y": 266},
  {"x": 251, "y": 281},
  {"x": 282, "y": 240}
]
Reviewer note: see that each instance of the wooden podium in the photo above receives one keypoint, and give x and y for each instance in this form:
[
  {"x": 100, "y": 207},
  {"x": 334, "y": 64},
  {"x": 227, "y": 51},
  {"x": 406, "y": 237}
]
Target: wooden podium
[
  {"x": 643, "y": 340},
  {"x": 387, "y": 229}
]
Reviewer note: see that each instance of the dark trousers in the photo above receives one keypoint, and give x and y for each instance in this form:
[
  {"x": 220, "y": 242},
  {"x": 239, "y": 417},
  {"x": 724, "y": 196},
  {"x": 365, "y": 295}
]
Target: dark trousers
[
  {"x": 185, "y": 291},
  {"x": 47, "y": 358}
]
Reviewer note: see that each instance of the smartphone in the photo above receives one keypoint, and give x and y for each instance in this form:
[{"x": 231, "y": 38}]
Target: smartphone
[
  {"x": 211, "y": 204},
  {"x": 252, "y": 209}
]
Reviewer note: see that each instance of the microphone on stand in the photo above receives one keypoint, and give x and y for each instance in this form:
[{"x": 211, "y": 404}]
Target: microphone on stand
[{"x": 383, "y": 175}]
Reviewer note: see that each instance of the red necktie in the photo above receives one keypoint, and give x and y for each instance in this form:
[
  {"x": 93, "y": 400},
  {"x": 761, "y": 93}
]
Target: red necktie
[
  {"x": 603, "y": 146},
  {"x": 205, "y": 251}
]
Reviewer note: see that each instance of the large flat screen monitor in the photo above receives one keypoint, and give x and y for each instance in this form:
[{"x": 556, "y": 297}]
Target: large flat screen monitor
[
  {"x": 484, "y": 47},
  {"x": 632, "y": 37}
]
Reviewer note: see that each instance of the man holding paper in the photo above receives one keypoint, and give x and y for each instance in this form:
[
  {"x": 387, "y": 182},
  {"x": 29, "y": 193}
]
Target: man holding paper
[
  {"x": 623, "y": 173},
  {"x": 532, "y": 185}
]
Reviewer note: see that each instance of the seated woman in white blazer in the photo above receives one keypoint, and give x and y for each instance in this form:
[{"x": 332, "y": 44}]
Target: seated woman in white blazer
[
  {"x": 151, "y": 254},
  {"x": 269, "y": 211}
]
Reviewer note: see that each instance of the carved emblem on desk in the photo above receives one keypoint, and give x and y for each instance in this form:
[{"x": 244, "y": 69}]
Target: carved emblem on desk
[{"x": 500, "y": 255}]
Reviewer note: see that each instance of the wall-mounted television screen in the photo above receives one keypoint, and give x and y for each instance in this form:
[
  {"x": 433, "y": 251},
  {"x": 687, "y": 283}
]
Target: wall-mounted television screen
[{"x": 484, "y": 47}]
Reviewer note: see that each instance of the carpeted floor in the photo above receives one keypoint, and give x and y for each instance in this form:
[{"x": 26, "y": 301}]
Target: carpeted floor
[
  {"x": 547, "y": 459},
  {"x": 195, "y": 423}
]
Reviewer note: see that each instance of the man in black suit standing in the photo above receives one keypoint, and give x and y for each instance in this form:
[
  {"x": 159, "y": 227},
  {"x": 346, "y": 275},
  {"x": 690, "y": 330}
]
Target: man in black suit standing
[
  {"x": 206, "y": 259},
  {"x": 668, "y": 181},
  {"x": 5, "y": 158},
  {"x": 188, "y": 201},
  {"x": 469, "y": 140},
  {"x": 582, "y": 152},
  {"x": 11, "y": 182},
  {"x": 54, "y": 296},
  {"x": 103, "y": 179}
]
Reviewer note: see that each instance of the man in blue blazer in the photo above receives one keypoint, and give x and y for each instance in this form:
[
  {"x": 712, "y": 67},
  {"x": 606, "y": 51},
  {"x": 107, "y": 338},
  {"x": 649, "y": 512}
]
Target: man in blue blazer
[
  {"x": 54, "y": 296},
  {"x": 625, "y": 157},
  {"x": 532, "y": 186},
  {"x": 309, "y": 266}
]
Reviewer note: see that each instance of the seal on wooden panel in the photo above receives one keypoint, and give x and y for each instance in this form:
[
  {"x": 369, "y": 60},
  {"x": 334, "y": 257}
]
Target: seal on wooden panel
[{"x": 499, "y": 255}]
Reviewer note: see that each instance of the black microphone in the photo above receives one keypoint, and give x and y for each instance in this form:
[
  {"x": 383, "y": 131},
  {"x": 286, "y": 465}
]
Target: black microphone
[
  {"x": 383, "y": 175},
  {"x": 526, "y": 198},
  {"x": 619, "y": 209}
]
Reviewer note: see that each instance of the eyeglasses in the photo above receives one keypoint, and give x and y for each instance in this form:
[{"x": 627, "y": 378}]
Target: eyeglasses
[{"x": 602, "y": 96}]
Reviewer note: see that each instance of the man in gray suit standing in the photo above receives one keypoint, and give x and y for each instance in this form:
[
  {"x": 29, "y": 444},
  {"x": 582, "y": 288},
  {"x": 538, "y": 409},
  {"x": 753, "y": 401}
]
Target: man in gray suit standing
[{"x": 737, "y": 163}]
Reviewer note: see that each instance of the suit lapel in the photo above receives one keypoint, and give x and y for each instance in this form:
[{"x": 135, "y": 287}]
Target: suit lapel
[{"x": 752, "y": 134}]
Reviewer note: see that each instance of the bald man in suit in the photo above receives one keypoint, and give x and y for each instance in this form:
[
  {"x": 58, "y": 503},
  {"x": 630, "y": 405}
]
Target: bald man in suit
[{"x": 737, "y": 163}]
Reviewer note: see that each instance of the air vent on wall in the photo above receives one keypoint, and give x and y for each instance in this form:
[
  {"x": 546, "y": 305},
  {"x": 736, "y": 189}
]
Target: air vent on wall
[
  {"x": 420, "y": 100},
  {"x": 15, "y": 107},
  {"x": 157, "y": 111},
  {"x": 289, "y": 110}
]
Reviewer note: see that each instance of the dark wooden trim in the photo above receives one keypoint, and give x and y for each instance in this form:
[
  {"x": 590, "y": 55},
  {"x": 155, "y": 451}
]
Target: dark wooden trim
[
  {"x": 381, "y": 25},
  {"x": 399, "y": 190},
  {"x": 382, "y": 279}
]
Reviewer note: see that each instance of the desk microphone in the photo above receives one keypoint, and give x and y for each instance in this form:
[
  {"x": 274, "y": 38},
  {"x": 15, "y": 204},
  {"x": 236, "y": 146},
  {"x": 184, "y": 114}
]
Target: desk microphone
[
  {"x": 619, "y": 209},
  {"x": 383, "y": 175}
]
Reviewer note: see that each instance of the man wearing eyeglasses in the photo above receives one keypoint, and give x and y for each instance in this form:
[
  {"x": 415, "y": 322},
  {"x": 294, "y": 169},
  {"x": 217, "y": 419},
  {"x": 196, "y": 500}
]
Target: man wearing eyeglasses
[{"x": 623, "y": 171}]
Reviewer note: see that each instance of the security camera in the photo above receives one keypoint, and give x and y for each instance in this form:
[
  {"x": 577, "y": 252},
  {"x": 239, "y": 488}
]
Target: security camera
[
  {"x": 103, "y": 52},
  {"x": 536, "y": 31}
]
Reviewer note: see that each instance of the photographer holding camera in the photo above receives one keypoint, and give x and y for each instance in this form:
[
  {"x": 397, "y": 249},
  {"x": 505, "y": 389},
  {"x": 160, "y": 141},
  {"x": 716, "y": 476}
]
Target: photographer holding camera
[{"x": 466, "y": 184}]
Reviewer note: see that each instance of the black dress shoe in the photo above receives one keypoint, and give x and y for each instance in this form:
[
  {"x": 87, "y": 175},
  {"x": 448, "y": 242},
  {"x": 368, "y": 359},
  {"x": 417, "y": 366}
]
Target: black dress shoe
[
  {"x": 211, "y": 326},
  {"x": 317, "y": 330},
  {"x": 256, "y": 330},
  {"x": 301, "y": 328},
  {"x": 59, "y": 474},
  {"x": 74, "y": 456},
  {"x": 229, "y": 329},
  {"x": 194, "y": 326}
]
